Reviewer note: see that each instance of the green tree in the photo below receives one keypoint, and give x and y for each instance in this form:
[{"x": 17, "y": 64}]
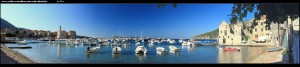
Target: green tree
[
  {"x": 276, "y": 13},
  {"x": 10, "y": 35}
]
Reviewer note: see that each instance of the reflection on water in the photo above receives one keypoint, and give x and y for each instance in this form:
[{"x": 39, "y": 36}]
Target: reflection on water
[
  {"x": 151, "y": 45},
  {"x": 58, "y": 51},
  {"x": 126, "y": 47},
  {"x": 116, "y": 56},
  {"x": 141, "y": 57},
  {"x": 189, "y": 48},
  {"x": 174, "y": 53}
]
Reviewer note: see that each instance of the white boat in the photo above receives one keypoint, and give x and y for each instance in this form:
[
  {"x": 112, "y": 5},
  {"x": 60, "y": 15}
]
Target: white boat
[
  {"x": 123, "y": 40},
  {"x": 172, "y": 41},
  {"x": 51, "y": 42},
  {"x": 138, "y": 43},
  {"x": 191, "y": 43},
  {"x": 180, "y": 40},
  {"x": 173, "y": 48},
  {"x": 185, "y": 43},
  {"x": 24, "y": 42},
  {"x": 140, "y": 50},
  {"x": 87, "y": 43},
  {"x": 91, "y": 50},
  {"x": 116, "y": 50},
  {"x": 160, "y": 50},
  {"x": 126, "y": 43},
  {"x": 115, "y": 43},
  {"x": 33, "y": 41},
  {"x": 152, "y": 42},
  {"x": 168, "y": 40}
]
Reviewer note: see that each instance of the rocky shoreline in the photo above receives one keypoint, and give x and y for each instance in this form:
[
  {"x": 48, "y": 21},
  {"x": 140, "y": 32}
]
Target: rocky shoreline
[{"x": 9, "y": 56}]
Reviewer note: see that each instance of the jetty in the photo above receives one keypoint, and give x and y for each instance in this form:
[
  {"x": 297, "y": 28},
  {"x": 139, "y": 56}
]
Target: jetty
[{"x": 20, "y": 47}]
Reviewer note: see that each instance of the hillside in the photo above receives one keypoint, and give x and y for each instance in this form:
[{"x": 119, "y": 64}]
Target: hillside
[
  {"x": 209, "y": 35},
  {"x": 6, "y": 24}
]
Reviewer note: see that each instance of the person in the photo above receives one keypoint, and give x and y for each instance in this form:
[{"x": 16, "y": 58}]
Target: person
[{"x": 88, "y": 48}]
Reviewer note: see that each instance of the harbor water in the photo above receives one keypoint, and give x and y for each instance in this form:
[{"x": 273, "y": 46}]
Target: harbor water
[{"x": 62, "y": 53}]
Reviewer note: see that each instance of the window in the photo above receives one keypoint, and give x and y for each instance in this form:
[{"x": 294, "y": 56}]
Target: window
[
  {"x": 256, "y": 36},
  {"x": 225, "y": 32},
  {"x": 255, "y": 30},
  {"x": 262, "y": 29},
  {"x": 224, "y": 41},
  {"x": 261, "y": 23},
  {"x": 221, "y": 31}
]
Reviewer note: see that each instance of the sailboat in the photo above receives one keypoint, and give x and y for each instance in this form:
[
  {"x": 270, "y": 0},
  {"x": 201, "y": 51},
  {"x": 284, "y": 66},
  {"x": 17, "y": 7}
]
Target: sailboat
[{"x": 172, "y": 41}]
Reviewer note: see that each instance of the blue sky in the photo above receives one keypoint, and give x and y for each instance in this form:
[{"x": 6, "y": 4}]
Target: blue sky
[{"x": 96, "y": 20}]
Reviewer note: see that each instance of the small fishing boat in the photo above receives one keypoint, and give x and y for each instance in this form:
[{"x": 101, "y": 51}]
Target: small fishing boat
[
  {"x": 92, "y": 50},
  {"x": 173, "y": 48},
  {"x": 160, "y": 49},
  {"x": 116, "y": 50},
  {"x": 230, "y": 49},
  {"x": 126, "y": 43},
  {"x": 138, "y": 43},
  {"x": 140, "y": 50},
  {"x": 24, "y": 42}
]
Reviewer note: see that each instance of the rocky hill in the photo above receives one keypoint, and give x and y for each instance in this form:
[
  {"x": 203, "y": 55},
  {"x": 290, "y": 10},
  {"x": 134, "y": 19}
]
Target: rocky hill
[
  {"x": 209, "y": 35},
  {"x": 6, "y": 24}
]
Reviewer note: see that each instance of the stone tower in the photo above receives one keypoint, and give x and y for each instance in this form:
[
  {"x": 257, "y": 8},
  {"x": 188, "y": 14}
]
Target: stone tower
[{"x": 60, "y": 34}]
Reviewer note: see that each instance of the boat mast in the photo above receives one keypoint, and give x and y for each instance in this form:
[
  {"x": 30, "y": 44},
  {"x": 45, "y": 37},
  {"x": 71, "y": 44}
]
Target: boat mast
[{"x": 141, "y": 33}]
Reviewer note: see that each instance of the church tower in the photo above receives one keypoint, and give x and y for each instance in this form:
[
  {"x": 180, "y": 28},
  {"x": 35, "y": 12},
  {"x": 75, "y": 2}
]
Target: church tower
[{"x": 60, "y": 34}]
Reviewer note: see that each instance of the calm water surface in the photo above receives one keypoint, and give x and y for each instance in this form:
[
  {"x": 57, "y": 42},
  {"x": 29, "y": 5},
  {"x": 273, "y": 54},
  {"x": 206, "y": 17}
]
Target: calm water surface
[{"x": 60, "y": 53}]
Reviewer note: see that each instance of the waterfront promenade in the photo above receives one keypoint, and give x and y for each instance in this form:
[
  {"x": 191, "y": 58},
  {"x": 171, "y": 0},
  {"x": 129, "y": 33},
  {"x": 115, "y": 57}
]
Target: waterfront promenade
[{"x": 9, "y": 56}]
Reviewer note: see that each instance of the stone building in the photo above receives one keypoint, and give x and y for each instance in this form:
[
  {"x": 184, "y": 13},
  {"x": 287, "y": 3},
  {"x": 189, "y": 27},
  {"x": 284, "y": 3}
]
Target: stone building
[
  {"x": 72, "y": 34},
  {"x": 60, "y": 34},
  {"x": 230, "y": 35},
  {"x": 260, "y": 33}
]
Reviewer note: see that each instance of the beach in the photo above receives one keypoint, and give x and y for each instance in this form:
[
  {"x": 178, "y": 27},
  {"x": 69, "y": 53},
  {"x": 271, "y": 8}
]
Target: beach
[
  {"x": 269, "y": 57},
  {"x": 9, "y": 56}
]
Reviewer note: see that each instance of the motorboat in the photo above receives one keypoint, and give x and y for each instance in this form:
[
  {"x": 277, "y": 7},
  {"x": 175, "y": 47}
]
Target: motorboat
[
  {"x": 92, "y": 50},
  {"x": 180, "y": 40},
  {"x": 24, "y": 42},
  {"x": 140, "y": 50},
  {"x": 138, "y": 43},
  {"x": 173, "y": 48},
  {"x": 230, "y": 49},
  {"x": 126, "y": 43},
  {"x": 185, "y": 43},
  {"x": 172, "y": 41},
  {"x": 116, "y": 50},
  {"x": 160, "y": 50}
]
